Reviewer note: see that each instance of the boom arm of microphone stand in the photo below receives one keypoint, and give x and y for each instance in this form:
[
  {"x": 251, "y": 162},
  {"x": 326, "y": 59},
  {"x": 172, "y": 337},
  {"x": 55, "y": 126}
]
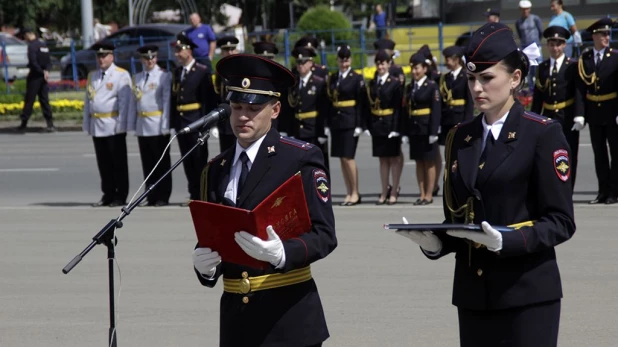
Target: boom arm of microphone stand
[{"x": 105, "y": 235}]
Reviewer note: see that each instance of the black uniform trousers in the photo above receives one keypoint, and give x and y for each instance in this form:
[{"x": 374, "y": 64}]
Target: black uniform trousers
[
  {"x": 150, "y": 150},
  {"x": 607, "y": 174},
  {"x": 194, "y": 163},
  {"x": 525, "y": 326},
  {"x": 111, "y": 153},
  {"x": 36, "y": 86}
]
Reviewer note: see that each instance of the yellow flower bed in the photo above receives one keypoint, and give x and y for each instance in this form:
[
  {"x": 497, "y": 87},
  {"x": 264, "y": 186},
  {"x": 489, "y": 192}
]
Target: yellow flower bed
[
  {"x": 369, "y": 72},
  {"x": 63, "y": 105}
]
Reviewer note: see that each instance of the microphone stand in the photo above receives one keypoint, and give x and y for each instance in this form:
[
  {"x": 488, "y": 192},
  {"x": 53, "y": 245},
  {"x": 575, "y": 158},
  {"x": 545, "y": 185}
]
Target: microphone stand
[{"x": 106, "y": 236}]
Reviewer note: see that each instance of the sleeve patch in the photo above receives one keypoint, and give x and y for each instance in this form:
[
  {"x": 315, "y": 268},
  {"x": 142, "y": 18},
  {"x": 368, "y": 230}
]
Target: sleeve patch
[
  {"x": 562, "y": 165},
  {"x": 320, "y": 182}
]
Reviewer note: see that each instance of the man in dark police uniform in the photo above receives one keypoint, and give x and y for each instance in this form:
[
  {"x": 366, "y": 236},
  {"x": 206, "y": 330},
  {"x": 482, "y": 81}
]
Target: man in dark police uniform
[{"x": 289, "y": 312}]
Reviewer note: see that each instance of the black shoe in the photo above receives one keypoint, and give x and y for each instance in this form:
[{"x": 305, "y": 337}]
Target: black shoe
[
  {"x": 396, "y": 198},
  {"x": 22, "y": 127},
  {"x": 101, "y": 203},
  {"x": 185, "y": 204},
  {"x": 417, "y": 202},
  {"x": 426, "y": 202},
  {"x": 600, "y": 199},
  {"x": 611, "y": 200},
  {"x": 117, "y": 203},
  {"x": 49, "y": 129},
  {"x": 435, "y": 190},
  {"x": 160, "y": 203},
  {"x": 350, "y": 203},
  {"x": 144, "y": 203}
]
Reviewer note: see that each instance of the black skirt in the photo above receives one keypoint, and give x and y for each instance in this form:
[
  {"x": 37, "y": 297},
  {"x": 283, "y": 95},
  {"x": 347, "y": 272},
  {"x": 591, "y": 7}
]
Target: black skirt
[
  {"x": 343, "y": 143},
  {"x": 532, "y": 325},
  {"x": 420, "y": 149},
  {"x": 385, "y": 147}
]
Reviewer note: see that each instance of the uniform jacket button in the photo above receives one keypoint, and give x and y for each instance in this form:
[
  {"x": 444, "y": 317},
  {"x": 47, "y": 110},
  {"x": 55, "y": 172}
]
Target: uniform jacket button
[
  {"x": 245, "y": 300},
  {"x": 479, "y": 272}
]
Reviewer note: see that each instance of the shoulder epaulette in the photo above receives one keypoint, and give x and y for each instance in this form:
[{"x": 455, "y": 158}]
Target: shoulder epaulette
[
  {"x": 200, "y": 66},
  {"x": 318, "y": 78},
  {"x": 612, "y": 51},
  {"x": 431, "y": 81},
  {"x": 118, "y": 68},
  {"x": 219, "y": 156},
  {"x": 296, "y": 143},
  {"x": 538, "y": 118}
]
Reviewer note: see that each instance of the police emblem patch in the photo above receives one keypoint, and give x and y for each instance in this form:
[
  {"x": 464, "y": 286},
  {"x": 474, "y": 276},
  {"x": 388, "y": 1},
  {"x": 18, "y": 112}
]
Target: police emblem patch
[
  {"x": 320, "y": 181},
  {"x": 471, "y": 66},
  {"x": 246, "y": 83},
  {"x": 562, "y": 165},
  {"x": 109, "y": 85}
]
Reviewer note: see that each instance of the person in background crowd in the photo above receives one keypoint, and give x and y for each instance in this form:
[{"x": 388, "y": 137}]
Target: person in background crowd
[
  {"x": 379, "y": 19},
  {"x": 106, "y": 113},
  {"x": 346, "y": 90},
  {"x": 39, "y": 65},
  {"x": 309, "y": 102},
  {"x": 223, "y": 130},
  {"x": 395, "y": 70},
  {"x": 505, "y": 167},
  {"x": 149, "y": 117},
  {"x": 530, "y": 30},
  {"x": 555, "y": 88},
  {"x": 100, "y": 30},
  {"x": 598, "y": 91},
  {"x": 383, "y": 119},
  {"x": 312, "y": 44},
  {"x": 204, "y": 38},
  {"x": 565, "y": 19},
  {"x": 492, "y": 15},
  {"x": 193, "y": 96},
  {"x": 433, "y": 72},
  {"x": 422, "y": 104}
]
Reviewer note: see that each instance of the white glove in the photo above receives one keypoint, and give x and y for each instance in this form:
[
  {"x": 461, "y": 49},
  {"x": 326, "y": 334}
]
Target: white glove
[
  {"x": 393, "y": 134},
  {"x": 579, "y": 123},
  {"x": 165, "y": 131},
  {"x": 439, "y": 129},
  {"x": 432, "y": 139},
  {"x": 616, "y": 119},
  {"x": 205, "y": 261},
  {"x": 367, "y": 133},
  {"x": 283, "y": 133},
  {"x": 405, "y": 140},
  {"x": 270, "y": 251},
  {"x": 357, "y": 132},
  {"x": 492, "y": 238},
  {"x": 327, "y": 131},
  {"x": 426, "y": 239},
  {"x": 322, "y": 140},
  {"x": 214, "y": 132}
]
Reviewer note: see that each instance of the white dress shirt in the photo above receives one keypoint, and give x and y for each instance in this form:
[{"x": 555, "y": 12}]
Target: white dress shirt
[
  {"x": 304, "y": 80},
  {"x": 600, "y": 56},
  {"x": 558, "y": 63},
  {"x": 420, "y": 82},
  {"x": 186, "y": 69},
  {"x": 252, "y": 150},
  {"x": 456, "y": 72},
  {"x": 382, "y": 79},
  {"x": 495, "y": 129}
]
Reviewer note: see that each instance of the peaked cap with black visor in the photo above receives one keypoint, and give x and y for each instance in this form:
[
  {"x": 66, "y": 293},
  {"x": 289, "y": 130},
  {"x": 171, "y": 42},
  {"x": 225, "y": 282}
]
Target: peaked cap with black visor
[
  {"x": 489, "y": 45},
  {"x": 253, "y": 79}
]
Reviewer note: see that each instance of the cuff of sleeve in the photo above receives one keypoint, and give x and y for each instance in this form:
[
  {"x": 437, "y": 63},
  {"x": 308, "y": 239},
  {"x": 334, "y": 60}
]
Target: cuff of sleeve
[
  {"x": 514, "y": 243},
  {"x": 281, "y": 264}
]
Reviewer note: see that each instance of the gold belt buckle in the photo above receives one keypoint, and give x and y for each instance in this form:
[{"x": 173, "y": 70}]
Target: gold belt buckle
[{"x": 245, "y": 284}]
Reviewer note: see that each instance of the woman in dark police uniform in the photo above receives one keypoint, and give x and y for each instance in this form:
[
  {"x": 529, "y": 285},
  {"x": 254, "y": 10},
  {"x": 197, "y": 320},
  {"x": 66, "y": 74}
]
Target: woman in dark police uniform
[
  {"x": 422, "y": 107},
  {"x": 505, "y": 167},
  {"x": 345, "y": 89},
  {"x": 384, "y": 95}
]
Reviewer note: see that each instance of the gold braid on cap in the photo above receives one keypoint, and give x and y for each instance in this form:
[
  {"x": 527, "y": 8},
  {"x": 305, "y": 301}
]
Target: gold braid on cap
[{"x": 254, "y": 91}]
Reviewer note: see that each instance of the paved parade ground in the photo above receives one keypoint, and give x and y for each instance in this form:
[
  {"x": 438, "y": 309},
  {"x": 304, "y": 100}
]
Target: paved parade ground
[{"x": 377, "y": 288}]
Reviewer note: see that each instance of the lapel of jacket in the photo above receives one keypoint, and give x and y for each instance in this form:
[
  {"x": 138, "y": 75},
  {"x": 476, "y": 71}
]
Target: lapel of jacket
[
  {"x": 470, "y": 152},
  {"x": 506, "y": 143},
  {"x": 224, "y": 176},
  {"x": 606, "y": 56},
  {"x": 261, "y": 165}
]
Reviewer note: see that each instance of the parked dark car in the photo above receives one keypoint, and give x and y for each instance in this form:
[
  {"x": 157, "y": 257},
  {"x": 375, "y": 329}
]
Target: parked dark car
[{"x": 126, "y": 41}]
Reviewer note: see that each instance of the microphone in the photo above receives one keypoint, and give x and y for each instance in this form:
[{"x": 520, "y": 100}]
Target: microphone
[{"x": 221, "y": 112}]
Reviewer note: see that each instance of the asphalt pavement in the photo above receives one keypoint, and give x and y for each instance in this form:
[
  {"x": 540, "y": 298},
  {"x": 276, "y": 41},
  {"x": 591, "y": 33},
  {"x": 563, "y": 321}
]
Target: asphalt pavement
[{"x": 377, "y": 288}]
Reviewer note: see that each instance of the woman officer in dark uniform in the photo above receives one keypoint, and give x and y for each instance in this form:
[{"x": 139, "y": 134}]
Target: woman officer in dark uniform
[
  {"x": 457, "y": 103},
  {"x": 422, "y": 107},
  {"x": 345, "y": 90},
  {"x": 384, "y": 96},
  {"x": 505, "y": 167}
]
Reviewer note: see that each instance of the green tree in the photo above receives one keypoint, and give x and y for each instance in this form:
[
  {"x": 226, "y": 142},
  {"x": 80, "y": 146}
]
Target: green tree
[{"x": 324, "y": 22}]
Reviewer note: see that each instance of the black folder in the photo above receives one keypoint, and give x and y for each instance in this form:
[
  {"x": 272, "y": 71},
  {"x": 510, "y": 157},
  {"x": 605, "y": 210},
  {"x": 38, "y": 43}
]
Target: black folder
[{"x": 439, "y": 227}]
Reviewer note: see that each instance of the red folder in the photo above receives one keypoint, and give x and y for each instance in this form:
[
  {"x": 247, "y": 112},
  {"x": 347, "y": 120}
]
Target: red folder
[{"x": 285, "y": 209}]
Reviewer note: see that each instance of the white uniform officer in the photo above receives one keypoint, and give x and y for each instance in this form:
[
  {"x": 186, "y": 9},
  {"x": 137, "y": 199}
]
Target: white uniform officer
[
  {"x": 106, "y": 111},
  {"x": 150, "y": 119}
]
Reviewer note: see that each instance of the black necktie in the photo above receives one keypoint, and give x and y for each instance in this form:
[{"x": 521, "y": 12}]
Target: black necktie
[
  {"x": 415, "y": 87},
  {"x": 489, "y": 144},
  {"x": 554, "y": 71},
  {"x": 243, "y": 173},
  {"x": 102, "y": 75},
  {"x": 596, "y": 66}
]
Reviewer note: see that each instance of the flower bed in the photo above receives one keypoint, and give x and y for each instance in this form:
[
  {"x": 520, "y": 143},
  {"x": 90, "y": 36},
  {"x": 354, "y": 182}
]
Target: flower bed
[{"x": 63, "y": 105}]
